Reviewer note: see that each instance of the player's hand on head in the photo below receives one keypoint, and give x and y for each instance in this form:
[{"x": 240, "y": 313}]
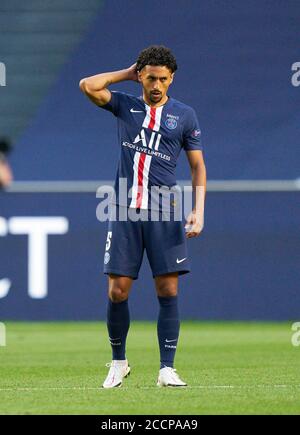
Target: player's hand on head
[
  {"x": 194, "y": 225},
  {"x": 132, "y": 73}
]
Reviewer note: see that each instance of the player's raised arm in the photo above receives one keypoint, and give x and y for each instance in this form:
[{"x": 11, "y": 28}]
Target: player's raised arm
[{"x": 95, "y": 87}]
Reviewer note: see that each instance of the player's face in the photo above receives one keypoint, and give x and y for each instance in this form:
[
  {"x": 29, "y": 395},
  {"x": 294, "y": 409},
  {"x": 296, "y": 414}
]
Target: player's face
[{"x": 155, "y": 81}]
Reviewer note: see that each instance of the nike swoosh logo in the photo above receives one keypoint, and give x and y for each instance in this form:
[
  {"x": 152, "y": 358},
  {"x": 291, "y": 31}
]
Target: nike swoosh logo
[
  {"x": 180, "y": 261},
  {"x": 136, "y": 111},
  {"x": 169, "y": 341}
]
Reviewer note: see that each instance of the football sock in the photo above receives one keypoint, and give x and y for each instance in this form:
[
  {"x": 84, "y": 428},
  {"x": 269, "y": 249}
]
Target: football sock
[
  {"x": 168, "y": 329},
  {"x": 118, "y": 321}
]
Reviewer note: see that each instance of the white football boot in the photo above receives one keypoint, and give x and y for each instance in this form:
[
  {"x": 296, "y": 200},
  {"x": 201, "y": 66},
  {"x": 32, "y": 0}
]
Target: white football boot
[
  {"x": 168, "y": 377},
  {"x": 119, "y": 369}
]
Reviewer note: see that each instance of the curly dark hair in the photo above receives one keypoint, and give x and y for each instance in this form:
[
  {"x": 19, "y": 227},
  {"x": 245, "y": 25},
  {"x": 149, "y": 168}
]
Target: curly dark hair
[{"x": 157, "y": 55}]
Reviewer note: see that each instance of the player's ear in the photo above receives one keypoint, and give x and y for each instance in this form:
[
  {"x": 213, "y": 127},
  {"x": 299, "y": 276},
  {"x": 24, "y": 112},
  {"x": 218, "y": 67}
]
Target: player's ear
[
  {"x": 139, "y": 74},
  {"x": 172, "y": 78}
]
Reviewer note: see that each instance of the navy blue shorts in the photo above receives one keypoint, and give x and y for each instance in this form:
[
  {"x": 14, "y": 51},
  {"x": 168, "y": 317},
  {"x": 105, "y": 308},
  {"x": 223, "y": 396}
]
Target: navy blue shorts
[{"x": 165, "y": 244}]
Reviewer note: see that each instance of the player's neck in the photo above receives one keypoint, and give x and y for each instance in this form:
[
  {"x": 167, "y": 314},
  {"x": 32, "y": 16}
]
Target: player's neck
[{"x": 162, "y": 102}]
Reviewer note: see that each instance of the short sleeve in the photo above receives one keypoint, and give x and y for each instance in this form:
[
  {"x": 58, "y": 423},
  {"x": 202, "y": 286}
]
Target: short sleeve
[
  {"x": 113, "y": 105},
  {"x": 192, "y": 133}
]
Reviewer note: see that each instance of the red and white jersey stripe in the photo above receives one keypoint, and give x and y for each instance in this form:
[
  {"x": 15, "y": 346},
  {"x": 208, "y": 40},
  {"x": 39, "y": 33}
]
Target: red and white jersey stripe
[
  {"x": 153, "y": 117},
  {"x": 142, "y": 161}
]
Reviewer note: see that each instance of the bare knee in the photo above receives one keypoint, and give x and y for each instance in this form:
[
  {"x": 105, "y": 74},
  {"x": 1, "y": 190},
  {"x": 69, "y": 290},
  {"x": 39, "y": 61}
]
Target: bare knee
[
  {"x": 118, "y": 288},
  {"x": 117, "y": 294},
  {"x": 167, "y": 285},
  {"x": 167, "y": 288},
  {"x": 167, "y": 292}
]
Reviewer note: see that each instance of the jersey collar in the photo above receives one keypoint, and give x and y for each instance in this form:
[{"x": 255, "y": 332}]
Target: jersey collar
[{"x": 163, "y": 105}]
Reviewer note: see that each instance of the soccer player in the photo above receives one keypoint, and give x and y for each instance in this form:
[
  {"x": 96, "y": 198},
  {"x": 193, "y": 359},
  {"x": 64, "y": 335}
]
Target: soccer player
[
  {"x": 152, "y": 130},
  {"x": 5, "y": 171}
]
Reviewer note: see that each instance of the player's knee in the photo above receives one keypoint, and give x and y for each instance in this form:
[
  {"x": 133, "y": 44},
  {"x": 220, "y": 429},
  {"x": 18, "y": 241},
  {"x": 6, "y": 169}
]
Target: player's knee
[
  {"x": 167, "y": 290},
  {"x": 117, "y": 294}
]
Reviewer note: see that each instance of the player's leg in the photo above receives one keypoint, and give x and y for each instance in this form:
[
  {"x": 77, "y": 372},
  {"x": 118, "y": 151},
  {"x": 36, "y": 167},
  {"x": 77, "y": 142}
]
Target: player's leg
[
  {"x": 167, "y": 262},
  {"x": 168, "y": 318},
  {"x": 118, "y": 322},
  {"x": 168, "y": 326},
  {"x": 118, "y": 318},
  {"x": 122, "y": 260}
]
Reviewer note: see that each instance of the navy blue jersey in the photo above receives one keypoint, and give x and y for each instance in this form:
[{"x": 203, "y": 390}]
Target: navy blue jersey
[{"x": 151, "y": 140}]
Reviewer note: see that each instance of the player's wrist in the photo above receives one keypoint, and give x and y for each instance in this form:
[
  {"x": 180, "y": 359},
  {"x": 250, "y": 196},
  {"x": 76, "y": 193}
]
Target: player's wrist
[
  {"x": 198, "y": 217},
  {"x": 197, "y": 211}
]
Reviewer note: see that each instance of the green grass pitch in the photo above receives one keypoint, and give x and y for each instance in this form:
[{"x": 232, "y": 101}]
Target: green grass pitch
[{"x": 231, "y": 368}]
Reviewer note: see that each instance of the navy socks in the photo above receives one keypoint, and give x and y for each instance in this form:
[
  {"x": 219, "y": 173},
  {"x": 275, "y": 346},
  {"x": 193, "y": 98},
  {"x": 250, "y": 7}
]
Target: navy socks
[
  {"x": 168, "y": 330},
  {"x": 118, "y": 321}
]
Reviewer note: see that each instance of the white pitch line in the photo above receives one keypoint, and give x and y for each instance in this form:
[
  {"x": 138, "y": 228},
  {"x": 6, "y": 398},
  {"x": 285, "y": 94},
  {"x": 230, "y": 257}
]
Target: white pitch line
[{"x": 203, "y": 387}]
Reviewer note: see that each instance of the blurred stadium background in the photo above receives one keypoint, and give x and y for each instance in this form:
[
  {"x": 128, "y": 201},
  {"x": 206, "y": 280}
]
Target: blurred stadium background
[{"x": 235, "y": 68}]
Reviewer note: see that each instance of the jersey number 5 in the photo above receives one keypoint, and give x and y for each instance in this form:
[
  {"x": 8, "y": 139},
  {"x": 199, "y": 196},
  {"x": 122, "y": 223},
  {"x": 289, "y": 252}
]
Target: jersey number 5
[{"x": 108, "y": 241}]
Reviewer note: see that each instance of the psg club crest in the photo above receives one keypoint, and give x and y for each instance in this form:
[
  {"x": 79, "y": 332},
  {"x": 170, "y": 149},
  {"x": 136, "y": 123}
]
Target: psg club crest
[{"x": 171, "y": 123}]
